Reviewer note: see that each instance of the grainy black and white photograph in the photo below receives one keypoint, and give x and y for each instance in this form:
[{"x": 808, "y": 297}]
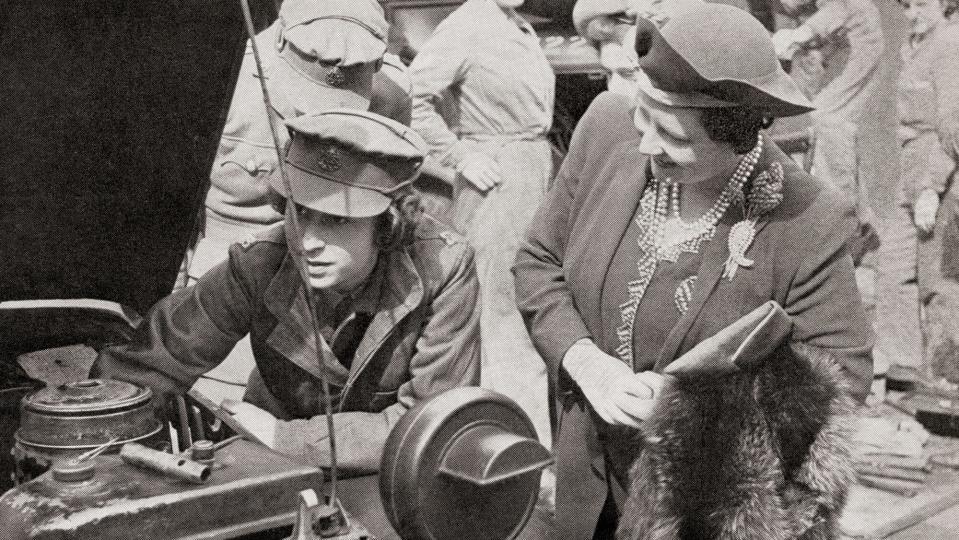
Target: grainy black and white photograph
[{"x": 479, "y": 269}]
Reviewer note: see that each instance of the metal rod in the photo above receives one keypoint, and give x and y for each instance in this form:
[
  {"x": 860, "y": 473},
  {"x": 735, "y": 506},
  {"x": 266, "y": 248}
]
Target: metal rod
[
  {"x": 170, "y": 465},
  {"x": 891, "y": 472},
  {"x": 899, "y": 487},
  {"x": 186, "y": 438},
  {"x": 90, "y": 454},
  {"x": 226, "y": 442},
  {"x": 196, "y": 421},
  {"x": 297, "y": 250}
]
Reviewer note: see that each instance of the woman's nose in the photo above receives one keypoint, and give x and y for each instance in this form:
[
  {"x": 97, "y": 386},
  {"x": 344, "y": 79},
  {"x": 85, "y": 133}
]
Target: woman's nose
[
  {"x": 312, "y": 241},
  {"x": 649, "y": 143}
]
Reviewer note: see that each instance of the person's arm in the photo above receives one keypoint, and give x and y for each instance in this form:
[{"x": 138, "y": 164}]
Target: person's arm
[
  {"x": 542, "y": 293},
  {"x": 440, "y": 65},
  {"x": 830, "y": 18},
  {"x": 592, "y": 18},
  {"x": 823, "y": 298},
  {"x": 447, "y": 356},
  {"x": 945, "y": 71},
  {"x": 935, "y": 182},
  {"x": 184, "y": 335},
  {"x": 437, "y": 69},
  {"x": 862, "y": 66}
]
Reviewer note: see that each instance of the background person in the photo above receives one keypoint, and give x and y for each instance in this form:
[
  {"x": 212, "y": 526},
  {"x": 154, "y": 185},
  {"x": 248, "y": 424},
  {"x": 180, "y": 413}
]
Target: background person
[
  {"x": 913, "y": 280},
  {"x": 485, "y": 65},
  {"x": 835, "y": 52},
  {"x": 396, "y": 298},
  {"x": 671, "y": 218},
  {"x": 611, "y": 25}
]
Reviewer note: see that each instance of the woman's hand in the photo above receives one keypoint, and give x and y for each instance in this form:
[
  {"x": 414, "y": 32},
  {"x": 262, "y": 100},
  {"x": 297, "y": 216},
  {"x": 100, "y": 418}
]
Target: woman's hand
[
  {"x": 480, "y": 170},
  {"x": 613, "y": 56},
  {"x": 788, "y": 41},
  {"x": 254, "y": 419},
  {"x": 924, "y": 210},
  {"x": 619, "y": 396}
]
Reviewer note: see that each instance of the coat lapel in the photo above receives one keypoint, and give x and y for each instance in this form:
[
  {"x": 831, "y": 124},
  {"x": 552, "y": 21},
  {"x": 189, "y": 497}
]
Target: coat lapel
[
  {"x": 710, "y": 269},
  {"x": 609, "y": 222},
  {"x": 402, "y": 291},
  {"x": 292, "y": 336}
]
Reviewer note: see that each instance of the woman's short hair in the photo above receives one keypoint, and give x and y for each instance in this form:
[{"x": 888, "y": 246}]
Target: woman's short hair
[
  {"x": 738, "y": 126},
  {"x": 396, "y": 227}
]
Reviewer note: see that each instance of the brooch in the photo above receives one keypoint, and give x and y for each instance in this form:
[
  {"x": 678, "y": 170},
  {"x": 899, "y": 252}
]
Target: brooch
[{"x": 765, "y": 194}]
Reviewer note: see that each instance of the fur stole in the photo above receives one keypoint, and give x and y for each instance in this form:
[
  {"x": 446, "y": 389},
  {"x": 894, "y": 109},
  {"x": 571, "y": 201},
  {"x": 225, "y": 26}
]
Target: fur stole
[{"x": 761, "y": 454}]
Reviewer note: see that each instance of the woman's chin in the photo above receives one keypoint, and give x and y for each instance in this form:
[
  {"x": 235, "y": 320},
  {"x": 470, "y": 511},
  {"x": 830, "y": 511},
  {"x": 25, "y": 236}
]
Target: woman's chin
[{"x": 665, "y": 171}]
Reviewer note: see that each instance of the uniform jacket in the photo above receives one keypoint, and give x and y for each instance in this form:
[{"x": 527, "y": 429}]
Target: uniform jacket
[
  {"x": 800, "y": 262},
  {"x": 422, "y": 340},
  {"x": 501, "y": 84}
]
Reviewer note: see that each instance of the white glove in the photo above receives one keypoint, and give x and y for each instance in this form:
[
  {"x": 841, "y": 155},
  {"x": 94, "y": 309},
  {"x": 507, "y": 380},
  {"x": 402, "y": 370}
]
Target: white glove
[
  {"x": 257, "y": 421},
  {"x": 480, "y": 170},
  {"x": 924, "y": 210},
  {"x": 619, "y": 396}
]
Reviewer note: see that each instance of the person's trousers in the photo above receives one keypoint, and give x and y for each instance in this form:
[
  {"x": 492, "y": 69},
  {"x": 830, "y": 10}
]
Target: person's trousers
[
  {"x": 917, "y": 311},
  {"x": 898, "y": 333}
]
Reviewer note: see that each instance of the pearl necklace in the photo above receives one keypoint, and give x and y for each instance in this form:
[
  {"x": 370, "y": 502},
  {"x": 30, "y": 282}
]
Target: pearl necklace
[
  {"x": 659, "y": 244},
  {"x": 675, "y": 235}
]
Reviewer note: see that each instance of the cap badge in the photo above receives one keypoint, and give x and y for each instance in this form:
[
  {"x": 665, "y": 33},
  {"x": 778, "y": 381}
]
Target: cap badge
[
  {"x": 328, "y": 159},
  {"x": 335, "y": 76}
]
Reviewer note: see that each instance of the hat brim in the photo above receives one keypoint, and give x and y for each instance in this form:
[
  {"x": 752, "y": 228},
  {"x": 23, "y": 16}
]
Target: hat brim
[
  {"x": 306, "y": 96},
  {"x": 695, "y": 100},
  {"x": 329, "y": 196},
  {"x": 778, "y": 94},
  {"x": 676, "y": 59}
]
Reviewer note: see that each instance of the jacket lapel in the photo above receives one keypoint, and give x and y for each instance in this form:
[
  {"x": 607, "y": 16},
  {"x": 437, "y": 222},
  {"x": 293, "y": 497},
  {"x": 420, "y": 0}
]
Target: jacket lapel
[
  {"x": 608, "y": 223},
  {"x": 710, "y": 270},
  {"x": 401, "y": 292},
  {"x": 292, "y": 336}
]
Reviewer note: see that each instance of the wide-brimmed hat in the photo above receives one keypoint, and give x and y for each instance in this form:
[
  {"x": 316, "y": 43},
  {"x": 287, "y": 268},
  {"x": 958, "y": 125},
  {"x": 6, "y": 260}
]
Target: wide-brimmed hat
[
  {"x": 328, "y": 52},
  {"x": 349, "y": 162},
  {"x": 715, "y": 55}
]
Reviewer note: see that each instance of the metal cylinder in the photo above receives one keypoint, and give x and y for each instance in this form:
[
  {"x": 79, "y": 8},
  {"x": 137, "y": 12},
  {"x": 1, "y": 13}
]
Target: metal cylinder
[
  {"x": 203, "y": 451},
  {"x": 66, "y": 421},
  {"x": 170, "y": 465}
]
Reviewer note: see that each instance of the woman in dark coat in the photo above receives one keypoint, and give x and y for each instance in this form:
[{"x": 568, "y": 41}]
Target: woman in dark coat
[{"x": 671, "y": 218}]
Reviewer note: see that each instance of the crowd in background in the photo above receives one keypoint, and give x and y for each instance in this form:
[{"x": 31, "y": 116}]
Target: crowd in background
[{"x": 481, "y": 92}]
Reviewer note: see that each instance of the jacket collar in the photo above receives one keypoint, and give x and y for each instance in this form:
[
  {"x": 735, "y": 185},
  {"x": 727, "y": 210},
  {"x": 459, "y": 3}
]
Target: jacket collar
[{"x": 401, "y": 292}]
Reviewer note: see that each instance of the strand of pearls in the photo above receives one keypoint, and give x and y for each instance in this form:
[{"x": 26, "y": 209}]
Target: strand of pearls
[
  {"x": 670, "y": 239},
  {"x": 652, "y": 219}
]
